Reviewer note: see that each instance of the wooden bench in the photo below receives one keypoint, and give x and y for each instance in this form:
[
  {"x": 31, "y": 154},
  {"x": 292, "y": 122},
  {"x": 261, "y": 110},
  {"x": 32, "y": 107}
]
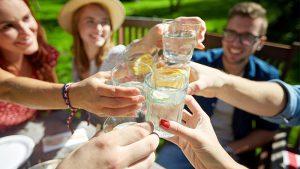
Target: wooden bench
[
  {"x": 279, "y": 55},
  {"x": 135, "y": 28}
]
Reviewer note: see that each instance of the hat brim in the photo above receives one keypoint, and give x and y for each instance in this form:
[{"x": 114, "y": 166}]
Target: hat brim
[{"x": 115, "y": 8}]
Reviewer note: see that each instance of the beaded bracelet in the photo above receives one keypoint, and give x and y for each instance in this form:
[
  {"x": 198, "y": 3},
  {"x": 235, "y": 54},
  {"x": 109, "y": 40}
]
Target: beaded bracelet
[{"x": 65, "y": 94}]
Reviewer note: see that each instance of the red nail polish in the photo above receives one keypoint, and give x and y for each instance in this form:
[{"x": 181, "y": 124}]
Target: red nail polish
[{"x": 164, "y": 123}]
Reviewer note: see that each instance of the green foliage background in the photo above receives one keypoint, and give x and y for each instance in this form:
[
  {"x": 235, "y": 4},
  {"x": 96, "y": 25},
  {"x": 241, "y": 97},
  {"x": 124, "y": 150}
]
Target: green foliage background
[{"x": 282, "y": 14}]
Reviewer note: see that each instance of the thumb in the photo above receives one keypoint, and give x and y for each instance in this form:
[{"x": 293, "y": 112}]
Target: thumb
[
  {"x": 177, "y": 129},
  {"x": 196, "y": 87}
]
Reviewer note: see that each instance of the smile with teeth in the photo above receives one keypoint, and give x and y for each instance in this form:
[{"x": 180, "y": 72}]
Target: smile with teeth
[
  {"x": 96, "y": 36},
  {"x": 26, "y": 41},
  {"x": 235, "y": 51}
]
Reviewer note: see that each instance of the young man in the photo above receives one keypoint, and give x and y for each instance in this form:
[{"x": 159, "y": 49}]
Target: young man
[{"x": 238, "y": 131}]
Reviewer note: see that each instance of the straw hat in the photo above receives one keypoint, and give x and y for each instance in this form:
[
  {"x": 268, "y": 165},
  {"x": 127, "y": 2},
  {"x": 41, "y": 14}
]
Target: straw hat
[{"x": 114, "y": 7}]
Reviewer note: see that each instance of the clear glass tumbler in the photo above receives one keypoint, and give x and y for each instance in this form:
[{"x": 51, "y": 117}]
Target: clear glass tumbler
[
  {"x": 128, "y": 74},
  {"x": 165, "y": 94}
]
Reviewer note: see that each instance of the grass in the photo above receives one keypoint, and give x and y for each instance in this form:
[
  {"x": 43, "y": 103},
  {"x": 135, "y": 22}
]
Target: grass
[{"x": 214, "y": 12}]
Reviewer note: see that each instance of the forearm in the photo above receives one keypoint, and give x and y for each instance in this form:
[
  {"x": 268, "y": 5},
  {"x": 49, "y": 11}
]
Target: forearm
[
  {"x": 32, "y": 93},
  {"x": 253, "y": 140},
  {"x": 261, "y": 98}
]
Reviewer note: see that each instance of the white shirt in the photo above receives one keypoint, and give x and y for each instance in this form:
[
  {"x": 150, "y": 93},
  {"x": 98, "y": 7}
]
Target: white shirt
[
  {"x": 222, "y": 122},
  {"x": 114, "y": 57}
]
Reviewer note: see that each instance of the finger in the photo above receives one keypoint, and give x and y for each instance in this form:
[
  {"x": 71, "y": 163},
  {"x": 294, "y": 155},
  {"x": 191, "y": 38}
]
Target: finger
[
  {"x": 142, "y": 148},
  {"x": 117, "y": 91},
  {"x": 200, "y": 45},
  {"x": 130, "y": 134},
  {"x": 194, "y": 106},
  {"x": 186, "y": 115},
  {"x": 104, "y": 74},
  {"x": 121, "y": 112},
  {"x": 178, "y": 130},
  {"x": 196, "y": 87},
  {"x": 119, "y": 102},
  {"x": 144, "y": 163}
]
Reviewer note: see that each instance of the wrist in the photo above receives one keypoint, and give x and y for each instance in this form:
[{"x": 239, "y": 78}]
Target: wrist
[
  {"x": 227, "y": 83},
  {"x": 72, "y": 95}
]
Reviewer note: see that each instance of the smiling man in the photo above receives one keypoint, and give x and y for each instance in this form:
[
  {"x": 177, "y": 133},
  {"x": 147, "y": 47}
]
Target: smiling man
[{"x": 245, "y": 33}]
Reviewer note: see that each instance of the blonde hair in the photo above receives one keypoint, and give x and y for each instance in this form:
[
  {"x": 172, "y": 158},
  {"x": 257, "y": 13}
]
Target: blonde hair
[
  {"x": 252, "y": 10},
  {"x": 81, "y": 60}
]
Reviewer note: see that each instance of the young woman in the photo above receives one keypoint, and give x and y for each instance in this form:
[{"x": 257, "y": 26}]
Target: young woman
[
  {"x": 91, "y": 23},
  {"x": 23, "y": 52}
]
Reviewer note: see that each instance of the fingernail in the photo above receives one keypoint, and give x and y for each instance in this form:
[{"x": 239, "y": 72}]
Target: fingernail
[{"x": 164, "y": 123}]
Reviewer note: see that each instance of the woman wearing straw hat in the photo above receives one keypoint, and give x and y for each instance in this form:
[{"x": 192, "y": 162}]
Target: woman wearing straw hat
[{"x": 91, "y": 23}]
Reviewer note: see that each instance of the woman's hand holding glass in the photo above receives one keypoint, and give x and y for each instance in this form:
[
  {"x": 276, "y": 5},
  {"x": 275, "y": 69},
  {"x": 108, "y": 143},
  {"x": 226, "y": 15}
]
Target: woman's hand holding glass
[
  {"x": 197, "y": 139},
  {"x": 131, "y": 75},
  {"x": 103, "y": 99}
]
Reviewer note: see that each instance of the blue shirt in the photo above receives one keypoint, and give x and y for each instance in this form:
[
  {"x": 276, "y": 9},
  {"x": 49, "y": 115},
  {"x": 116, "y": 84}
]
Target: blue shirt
[
  {"x": 257, "y": 70},
  {"x": 291, "y": 114},
  {"x": 170, "y": 155}
]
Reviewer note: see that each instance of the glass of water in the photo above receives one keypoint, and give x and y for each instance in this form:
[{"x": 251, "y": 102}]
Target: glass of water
[
  {"x": 179, "y": 40},
  {"x": 128, "y": 74},
  {"x": 165, "y": 92}
]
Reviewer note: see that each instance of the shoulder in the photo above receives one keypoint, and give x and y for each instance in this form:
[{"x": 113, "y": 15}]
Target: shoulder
[
  {"x": 208, "y": 56},
  {"x": 264, "y": 69},
  {"x": 114, "y": 57}
]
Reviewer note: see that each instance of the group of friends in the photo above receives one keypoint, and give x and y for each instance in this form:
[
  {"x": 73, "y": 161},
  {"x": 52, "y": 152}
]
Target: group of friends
[{"x": 234, "y": 87}]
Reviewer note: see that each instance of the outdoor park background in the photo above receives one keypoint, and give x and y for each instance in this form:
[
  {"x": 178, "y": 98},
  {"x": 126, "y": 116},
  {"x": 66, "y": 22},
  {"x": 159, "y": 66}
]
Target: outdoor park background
[{"x": 283, "y": 16}]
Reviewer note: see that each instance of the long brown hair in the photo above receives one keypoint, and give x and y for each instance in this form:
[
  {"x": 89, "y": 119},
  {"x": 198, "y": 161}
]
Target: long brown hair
[
  {"x": 81, "y": 60},
  {"x": 41, "y": 56}
]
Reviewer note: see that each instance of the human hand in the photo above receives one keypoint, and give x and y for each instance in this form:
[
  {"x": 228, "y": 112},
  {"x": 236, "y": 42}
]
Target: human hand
[
  {"x": 131, "y": 147},
  {"x": 206, "y": 81},
  {"x": 94, "y": 95},
  {"x": 197, "y": 139},
  {"x": 154, "y": 36}
]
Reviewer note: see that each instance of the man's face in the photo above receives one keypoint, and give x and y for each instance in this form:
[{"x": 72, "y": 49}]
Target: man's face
[{"x": 241, "y": 39}]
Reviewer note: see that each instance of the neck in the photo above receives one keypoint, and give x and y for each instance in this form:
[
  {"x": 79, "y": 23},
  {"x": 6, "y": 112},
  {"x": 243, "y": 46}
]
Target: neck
[
  {"x": 91, "y": 51},
  {"x": 234, "y": 69},
  {"x": 13, "y": 59}
]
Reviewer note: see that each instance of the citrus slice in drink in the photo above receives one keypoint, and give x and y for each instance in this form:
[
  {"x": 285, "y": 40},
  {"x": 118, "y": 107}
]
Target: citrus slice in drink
[
  {"x": 140, "y": 69},
  {"x": 170, "y": 77}
]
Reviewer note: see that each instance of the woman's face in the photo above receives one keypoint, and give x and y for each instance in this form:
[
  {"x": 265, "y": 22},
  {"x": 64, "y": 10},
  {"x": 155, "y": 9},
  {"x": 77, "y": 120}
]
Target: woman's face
[
  {"x": 18, "y": 28},
  {"x": 94, "y": 25}
]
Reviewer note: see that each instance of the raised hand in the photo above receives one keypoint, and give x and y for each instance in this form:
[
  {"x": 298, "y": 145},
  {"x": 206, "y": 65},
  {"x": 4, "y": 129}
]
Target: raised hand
[{"x": 96, "y": 96}]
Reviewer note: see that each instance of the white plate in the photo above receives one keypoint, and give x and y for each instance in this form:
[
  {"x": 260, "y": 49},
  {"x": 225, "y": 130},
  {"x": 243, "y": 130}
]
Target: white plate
[{"x": 15, "y": 150}]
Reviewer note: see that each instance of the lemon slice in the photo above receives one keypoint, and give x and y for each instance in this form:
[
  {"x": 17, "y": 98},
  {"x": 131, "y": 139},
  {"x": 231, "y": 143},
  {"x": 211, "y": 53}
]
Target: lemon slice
[
  {"x": 140, "y": 69},
  {"x": 169, "y": 77}
]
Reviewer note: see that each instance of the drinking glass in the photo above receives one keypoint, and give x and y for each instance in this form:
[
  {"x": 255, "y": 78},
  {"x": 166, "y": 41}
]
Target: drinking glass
[
  {"x": 165, "y": 91},
  {"x": 139, "y": 52},
  {"x": 128, "y": 74},
  {"x": 179, "y": 40}
]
